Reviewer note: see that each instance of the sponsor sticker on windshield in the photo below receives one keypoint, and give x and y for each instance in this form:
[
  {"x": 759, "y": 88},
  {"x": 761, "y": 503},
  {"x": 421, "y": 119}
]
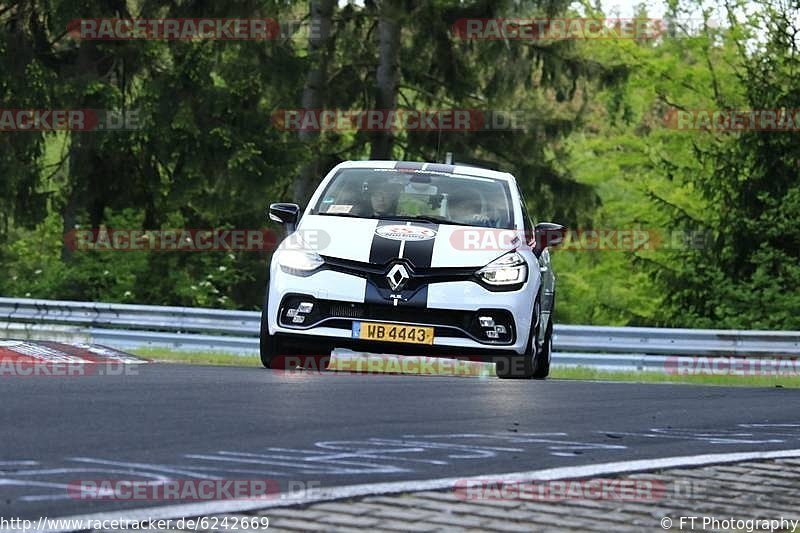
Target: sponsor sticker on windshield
[{"x": 339, "y": 208}]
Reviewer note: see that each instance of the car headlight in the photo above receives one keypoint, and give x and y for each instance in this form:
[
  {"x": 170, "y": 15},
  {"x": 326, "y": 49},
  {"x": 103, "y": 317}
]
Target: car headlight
[
  {"x": 509, "y": 269},
  {"x": 299, "y": 262}
]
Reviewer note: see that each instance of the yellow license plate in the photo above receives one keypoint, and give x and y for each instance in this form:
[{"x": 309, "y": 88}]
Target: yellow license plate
[{"x": 376, "y": 331}]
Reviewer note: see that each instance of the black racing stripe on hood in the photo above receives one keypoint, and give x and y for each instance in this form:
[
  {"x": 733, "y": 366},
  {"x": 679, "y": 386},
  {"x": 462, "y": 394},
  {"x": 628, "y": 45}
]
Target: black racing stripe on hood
[
  {"x": 420, "y": 253},
  {"x": 383, "y": 250}
]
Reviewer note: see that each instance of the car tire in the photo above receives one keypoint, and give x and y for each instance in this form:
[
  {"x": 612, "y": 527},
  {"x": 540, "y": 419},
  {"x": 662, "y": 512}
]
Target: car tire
[
  {"x": 522, "y": 366},
  {"x": 268, "y": 344},
  {"x": 542, "y": 366},
  {"x": 541, "y": 363}
]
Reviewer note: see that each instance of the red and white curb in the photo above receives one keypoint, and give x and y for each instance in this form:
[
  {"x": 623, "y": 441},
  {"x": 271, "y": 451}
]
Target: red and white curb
[{"x": 46, "y": 352}]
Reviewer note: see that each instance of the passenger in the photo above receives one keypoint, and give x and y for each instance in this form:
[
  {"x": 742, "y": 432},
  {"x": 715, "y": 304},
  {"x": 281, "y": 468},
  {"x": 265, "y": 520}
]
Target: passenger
[
  {"x": 352, "y": 198},
  {"x": 465, "y": 207}
]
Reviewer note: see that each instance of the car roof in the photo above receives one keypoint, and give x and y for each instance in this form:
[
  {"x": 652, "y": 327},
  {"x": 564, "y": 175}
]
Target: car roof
[{"x": 465, "y": 170}]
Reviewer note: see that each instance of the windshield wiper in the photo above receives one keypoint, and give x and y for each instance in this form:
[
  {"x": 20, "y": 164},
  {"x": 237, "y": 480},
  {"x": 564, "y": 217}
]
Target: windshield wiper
[
  {"x": 351, "y": 215},
  {"x": 434, "y": 220},
  {"x": 419, "y": 218}
]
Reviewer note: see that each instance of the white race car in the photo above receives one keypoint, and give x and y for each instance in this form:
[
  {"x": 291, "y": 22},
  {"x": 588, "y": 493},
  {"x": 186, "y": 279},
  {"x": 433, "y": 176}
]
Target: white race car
[{"x": 413, "y": 259}]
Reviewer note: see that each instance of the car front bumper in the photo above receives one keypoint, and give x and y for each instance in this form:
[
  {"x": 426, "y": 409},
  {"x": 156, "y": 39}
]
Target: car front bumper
[{"x": 452, "y": 308}]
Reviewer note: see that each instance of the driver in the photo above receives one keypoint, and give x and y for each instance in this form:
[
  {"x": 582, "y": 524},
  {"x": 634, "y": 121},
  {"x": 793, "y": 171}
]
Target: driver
[{"x": 383, "y": 198}]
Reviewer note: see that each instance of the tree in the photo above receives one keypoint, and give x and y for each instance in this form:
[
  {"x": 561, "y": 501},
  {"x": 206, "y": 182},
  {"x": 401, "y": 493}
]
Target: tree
[
  {"x": 320, "y": 46},
  {"x": 747, "y": 274},
  {"x": 390, "y": 19}
]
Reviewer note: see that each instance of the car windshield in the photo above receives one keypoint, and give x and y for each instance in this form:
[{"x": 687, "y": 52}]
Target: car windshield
[{"x": 415, "y": 194}]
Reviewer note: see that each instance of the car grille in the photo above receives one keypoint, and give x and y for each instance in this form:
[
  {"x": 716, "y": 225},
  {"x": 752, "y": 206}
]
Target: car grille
[
  {"x": 345, "y": 310},
  {"x": 419, "y": 276},
  {"x": 443, "y": 317}
]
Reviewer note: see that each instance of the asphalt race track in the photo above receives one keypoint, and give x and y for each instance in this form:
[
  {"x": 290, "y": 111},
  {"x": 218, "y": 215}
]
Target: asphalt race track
[{"x": 161, "y": 421}]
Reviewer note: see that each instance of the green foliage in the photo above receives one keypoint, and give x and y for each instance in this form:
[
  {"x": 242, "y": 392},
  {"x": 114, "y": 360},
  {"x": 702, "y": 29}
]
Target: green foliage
[
  {"x": 199, "y": 279},
  {"x": 737, "y": 192},
  {"x": 748, "y": 274}
]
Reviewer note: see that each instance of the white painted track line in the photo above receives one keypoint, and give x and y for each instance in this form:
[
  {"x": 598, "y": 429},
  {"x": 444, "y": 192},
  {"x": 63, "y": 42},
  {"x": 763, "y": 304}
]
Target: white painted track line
[{"x": 353, "y": 491}]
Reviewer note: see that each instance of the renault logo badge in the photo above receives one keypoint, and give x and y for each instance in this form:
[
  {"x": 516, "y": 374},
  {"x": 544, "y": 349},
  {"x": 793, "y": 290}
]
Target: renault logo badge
[{"x": 397, "y": 277}]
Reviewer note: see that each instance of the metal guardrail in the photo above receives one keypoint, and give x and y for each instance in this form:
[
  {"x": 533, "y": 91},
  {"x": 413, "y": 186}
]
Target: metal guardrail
[{"x": 128, "y": 326}]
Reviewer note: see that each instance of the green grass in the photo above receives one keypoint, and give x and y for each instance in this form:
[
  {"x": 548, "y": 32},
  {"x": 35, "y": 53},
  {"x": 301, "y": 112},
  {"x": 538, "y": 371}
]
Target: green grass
[
  {"x": 657, "y": 377},
  {"x": 580, "y": 373},
  {"x": 199, "y": 358}
]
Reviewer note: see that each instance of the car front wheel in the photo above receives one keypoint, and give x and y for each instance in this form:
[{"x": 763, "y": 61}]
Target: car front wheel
[
  {"x": 268, "y": 344},
  {"x": 533, "y": 363},
  {"x": 541, "y": 363}
]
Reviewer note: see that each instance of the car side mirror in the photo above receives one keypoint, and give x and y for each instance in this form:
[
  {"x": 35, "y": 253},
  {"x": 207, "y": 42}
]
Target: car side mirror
[
  {"x": 286, "y": 214},
  {"x": 548, "y": 234}
]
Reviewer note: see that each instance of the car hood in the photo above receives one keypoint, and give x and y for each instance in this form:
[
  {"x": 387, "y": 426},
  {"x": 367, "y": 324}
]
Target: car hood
[{"x": 422, "y": 244}]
